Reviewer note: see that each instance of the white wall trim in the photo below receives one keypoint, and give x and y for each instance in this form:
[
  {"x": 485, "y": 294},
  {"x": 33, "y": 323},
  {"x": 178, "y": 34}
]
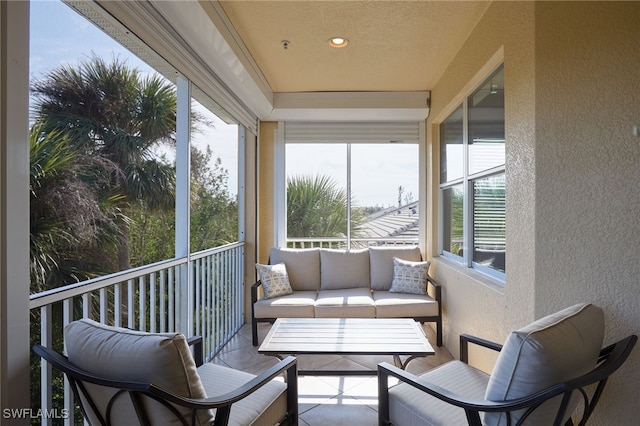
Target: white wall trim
[
  {"x": 350, "y": 106},
  {"x": 14, "y": 202}
]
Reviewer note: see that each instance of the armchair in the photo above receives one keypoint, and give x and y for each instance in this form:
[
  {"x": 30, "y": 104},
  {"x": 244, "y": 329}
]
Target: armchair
[
  {"x": 121, "y": 376},
  {"x": 543, "y": 375}
]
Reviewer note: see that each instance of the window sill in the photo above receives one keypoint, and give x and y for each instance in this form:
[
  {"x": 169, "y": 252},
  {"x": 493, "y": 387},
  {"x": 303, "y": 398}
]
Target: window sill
[{"x": 492, "y": 283}]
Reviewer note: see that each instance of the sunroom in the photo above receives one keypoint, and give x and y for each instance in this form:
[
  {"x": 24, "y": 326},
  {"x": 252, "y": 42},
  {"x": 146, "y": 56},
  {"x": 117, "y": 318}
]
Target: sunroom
[{"x": 407, "y": 81}]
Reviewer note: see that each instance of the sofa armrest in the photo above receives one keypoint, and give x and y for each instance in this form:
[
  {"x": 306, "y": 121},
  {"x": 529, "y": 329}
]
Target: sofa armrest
[
  {"x": 254, "y": 291},
  {"x": 465, "y": 339},
  {"x": 436, "y": 288}
]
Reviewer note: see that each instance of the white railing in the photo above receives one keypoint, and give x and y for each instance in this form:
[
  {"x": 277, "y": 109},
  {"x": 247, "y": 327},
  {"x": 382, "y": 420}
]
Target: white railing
[
  {"x": 341, "y": 243},
  {"x": 200, "y": 295}
]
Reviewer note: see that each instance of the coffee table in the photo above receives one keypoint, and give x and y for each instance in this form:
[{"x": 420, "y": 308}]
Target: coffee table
[{"x": 347, "y": 336}]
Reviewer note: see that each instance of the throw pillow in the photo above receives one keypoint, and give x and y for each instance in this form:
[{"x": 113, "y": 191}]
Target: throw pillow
[
  {"x": 409, "y": 277},
  {"x": 275, "y": 280}
]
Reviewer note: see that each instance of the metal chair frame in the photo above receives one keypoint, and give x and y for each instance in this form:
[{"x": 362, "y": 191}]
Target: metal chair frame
[
  {"x": 138, "y": 392},
  {"x": 610, "y": 359}
]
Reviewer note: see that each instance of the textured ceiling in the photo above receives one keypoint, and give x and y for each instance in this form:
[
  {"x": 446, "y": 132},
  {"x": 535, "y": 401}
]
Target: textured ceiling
[{"x": 393, "y": 45}]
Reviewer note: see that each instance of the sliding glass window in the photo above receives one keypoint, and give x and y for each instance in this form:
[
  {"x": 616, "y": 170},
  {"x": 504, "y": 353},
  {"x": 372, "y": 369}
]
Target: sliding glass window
[{"x": 472, "y": 179}]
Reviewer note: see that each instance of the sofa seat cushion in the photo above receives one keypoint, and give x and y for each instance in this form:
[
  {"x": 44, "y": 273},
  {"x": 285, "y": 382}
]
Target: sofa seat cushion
[
  {"x": 303, "y": 266},
  {"x": 381, "y": 263},
  {"x": 410, "y": 406},
  {"x": 404, "y": 305},
  {"x": 551, "y": 350},
  {"x": 348, "y": 303},
  {"x": 266, "y": 406},
  {"x": 341, "y": 269},
  {"x": 298, "y": 304}
]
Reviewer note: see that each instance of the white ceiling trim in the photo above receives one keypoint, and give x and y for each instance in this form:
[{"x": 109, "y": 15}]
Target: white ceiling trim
[{"x": 351, "y": 106}]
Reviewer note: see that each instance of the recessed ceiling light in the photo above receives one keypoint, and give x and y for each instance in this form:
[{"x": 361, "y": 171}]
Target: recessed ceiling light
[{"x": 338, "y": 42}]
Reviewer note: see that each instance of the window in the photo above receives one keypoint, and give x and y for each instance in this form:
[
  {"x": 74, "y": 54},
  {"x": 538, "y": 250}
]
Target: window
[
  {"x": 351, "y": 194},
  {"x": 472, "y": 179}
]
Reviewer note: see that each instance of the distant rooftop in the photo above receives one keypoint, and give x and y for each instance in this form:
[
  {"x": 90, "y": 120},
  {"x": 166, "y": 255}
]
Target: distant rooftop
[{"x": 393, "y": 222}]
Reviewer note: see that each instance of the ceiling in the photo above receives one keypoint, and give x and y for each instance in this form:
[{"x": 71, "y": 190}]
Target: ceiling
[{"x": 394, "y": 46}]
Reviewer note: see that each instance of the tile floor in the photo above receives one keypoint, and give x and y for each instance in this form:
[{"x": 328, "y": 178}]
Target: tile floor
[{"x": 327, "y": 400}]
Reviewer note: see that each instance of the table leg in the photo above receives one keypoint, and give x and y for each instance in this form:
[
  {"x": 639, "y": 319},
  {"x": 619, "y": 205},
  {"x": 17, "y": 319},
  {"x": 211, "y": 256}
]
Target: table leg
[{"x": 403, "y": 365}]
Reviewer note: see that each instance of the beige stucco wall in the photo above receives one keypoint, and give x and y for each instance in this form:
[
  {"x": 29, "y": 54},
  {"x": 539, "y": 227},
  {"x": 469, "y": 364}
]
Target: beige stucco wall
[
  {"x": 572, "y": 81},
  {"x": 266, "y": 219},
  {"x": 588, "y": 173},
  {"x": 472, "y": 303}
]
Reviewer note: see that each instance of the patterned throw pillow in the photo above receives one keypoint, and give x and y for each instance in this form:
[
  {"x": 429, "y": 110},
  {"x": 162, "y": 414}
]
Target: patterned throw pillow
[
  {"x": 275, "y": 280},
  {"x": 409, "y": 277}
]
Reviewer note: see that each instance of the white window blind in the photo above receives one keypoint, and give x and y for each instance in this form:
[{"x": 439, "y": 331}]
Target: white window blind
[{"x": 352, "y": 132}]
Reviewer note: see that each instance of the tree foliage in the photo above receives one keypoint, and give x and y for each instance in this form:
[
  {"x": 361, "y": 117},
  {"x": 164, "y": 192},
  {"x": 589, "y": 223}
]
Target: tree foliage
[
  {"x": 70, "y": 225},
  {"x": 317, "y": 207},
  {"x": 102, "y": 198},
  {"x": 108, "y": 110}
]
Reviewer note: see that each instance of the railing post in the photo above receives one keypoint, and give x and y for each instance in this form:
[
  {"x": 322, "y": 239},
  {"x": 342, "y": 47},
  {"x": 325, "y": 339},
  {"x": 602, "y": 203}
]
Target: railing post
[{"x": 46, "y": 376}]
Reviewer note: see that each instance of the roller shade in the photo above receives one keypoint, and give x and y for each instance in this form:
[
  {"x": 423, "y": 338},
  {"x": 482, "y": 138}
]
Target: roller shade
[{"x": 352, "y": 132}]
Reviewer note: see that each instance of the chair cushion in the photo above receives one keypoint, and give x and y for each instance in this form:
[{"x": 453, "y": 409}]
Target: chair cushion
[
  {"x": 381, "y": 263},
  {"x": 341, "y": 269},
  {"x": 553, "y": 349},
  {"x": 298, "y": 304},
  {"x": 409, "y": 277},
  {"x": 410, "y": 406},
  {"x": 275, "y": 280},
  {"x": 266, "y": 406},
  {"x": 303, "y": 266},
  {"x": 163, "y": 359}
]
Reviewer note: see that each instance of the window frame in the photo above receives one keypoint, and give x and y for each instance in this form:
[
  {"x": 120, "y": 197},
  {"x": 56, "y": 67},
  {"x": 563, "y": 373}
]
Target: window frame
[
  {"x": 343, "y": 133},
  {"x": 467, "y": 181}
]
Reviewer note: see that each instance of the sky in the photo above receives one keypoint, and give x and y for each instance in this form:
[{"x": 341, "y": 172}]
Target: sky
[{"x": 60, "y": 36}]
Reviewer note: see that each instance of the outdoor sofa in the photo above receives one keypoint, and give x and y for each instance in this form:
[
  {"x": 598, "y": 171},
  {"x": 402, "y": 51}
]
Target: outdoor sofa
[{"x": 377, "y": 282}]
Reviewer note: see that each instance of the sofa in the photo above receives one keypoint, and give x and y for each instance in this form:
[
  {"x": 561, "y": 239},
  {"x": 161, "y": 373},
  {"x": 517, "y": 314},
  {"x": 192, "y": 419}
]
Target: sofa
[{"x": 377, "y": 282}]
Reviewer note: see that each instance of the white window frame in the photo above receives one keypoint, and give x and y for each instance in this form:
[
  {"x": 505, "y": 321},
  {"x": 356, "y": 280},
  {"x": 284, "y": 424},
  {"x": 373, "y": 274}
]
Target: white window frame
[{"x": 348, "y": 132}]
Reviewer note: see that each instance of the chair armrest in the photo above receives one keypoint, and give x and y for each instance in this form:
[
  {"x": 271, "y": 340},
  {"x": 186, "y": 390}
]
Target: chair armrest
[
  {"x": 288, "y": 365},
  {"x": 198, "y": 349},
  {"x": 472, "y": 406},
  {"x": 465, "y": 339}
]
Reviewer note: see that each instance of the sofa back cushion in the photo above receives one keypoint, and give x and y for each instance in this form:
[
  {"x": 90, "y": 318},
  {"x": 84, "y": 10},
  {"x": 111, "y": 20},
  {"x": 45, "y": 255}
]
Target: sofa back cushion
[
  {"x": 342, "y": 269},
  {"x": 553, "y": 349},
  {"x": 381, "y": 263},
  {"x": 163, "y": 359},
  {"x": 303, "y": 266}
]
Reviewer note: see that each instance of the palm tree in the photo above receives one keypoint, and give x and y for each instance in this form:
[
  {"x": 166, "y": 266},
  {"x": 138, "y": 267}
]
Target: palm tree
[
  {"x": 66, "y": 217},
  {"x": 108, "y": 110},
  {"x": 316, "y": 207}
]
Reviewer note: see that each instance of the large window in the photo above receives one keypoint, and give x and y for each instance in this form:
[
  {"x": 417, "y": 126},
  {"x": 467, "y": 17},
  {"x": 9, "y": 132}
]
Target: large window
[
  {"x": 352, "y": 194},
  {"x": 472, "y": 179}
]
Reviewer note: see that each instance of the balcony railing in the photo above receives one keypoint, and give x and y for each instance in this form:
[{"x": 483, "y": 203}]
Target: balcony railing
[
  {"x": 356, "y": 243},
  {"x": 199, "y": 295}
]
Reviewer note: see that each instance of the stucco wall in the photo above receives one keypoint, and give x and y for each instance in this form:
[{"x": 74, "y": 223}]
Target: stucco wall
[
  {"x": 588, "y": 173},
  {"x": 472, "y": 303},
  {"x": 572, "y": 79}
]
